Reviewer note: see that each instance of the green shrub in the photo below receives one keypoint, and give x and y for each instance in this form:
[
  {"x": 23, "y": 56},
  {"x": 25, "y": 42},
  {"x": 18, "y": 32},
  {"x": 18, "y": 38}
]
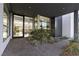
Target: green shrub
[
  {"x": 40, "y": 35},
  {"x": 72, "y": 49}
]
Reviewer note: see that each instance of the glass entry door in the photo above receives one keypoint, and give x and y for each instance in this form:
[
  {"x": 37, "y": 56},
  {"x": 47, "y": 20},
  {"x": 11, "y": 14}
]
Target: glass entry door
[
  {"x": 18, "y": 26},
  {"x": 28, "y": 26}
]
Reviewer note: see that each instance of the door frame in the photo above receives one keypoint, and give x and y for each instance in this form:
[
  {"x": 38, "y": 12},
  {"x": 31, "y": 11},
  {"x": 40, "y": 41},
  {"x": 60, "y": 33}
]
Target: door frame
[{"x": 13, "y": 26}]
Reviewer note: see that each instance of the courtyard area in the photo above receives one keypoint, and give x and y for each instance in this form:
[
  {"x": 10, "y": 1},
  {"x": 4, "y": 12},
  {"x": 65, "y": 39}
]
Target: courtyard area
[{"x": 21, "y": 47}]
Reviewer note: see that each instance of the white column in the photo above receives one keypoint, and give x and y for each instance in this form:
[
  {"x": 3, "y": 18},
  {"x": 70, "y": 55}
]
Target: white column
[{"x": 68, "y": 25}]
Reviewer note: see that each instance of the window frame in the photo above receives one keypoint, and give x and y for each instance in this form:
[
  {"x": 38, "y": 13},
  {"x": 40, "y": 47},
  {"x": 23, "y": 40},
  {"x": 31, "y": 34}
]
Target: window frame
[{"x": 7, "y": 26}]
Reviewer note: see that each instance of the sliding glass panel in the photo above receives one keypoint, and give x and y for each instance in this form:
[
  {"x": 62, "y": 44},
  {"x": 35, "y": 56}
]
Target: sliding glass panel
[
  {"x": 28, "y": 26},
  {"x": 18, "y": 26}
]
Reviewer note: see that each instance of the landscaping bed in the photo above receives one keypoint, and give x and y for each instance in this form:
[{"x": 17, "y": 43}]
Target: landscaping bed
[
  {"x": 72, "y": 49},
  {"x": 40, "y": 36}
]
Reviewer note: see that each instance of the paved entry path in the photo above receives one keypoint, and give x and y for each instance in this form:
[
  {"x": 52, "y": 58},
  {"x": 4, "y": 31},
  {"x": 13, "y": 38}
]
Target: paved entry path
[{"x": 20, "y": 47}]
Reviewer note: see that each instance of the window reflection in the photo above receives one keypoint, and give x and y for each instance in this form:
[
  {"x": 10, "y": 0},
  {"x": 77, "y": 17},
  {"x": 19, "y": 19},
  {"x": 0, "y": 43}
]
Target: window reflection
[
  {"x": 5, "y": 25},
  {"x": 18, "y": 26},
  {"x": 28, "y": 26},
  {"x": 42, "y": 22}
]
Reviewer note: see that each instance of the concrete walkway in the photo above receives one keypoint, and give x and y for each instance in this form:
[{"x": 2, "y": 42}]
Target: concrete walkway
[{"x": 20, "y": 47}]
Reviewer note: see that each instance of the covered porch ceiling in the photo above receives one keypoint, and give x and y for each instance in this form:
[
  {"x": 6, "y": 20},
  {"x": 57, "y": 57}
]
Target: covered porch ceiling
[{"x": 45, "y": 9}]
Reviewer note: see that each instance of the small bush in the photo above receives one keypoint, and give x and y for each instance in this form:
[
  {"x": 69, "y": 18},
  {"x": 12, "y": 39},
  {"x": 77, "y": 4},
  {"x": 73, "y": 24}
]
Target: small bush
[
  {"x": 41, "y": 35},
  {"x": 72, "y": 49}
]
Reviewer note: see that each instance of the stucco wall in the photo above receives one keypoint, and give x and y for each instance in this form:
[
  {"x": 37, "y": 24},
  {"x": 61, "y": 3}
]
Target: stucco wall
[{"x": 68, "y": 25}]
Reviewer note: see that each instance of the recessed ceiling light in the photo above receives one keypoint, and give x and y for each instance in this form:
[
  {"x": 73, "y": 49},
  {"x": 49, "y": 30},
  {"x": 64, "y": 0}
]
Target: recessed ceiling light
[
  {"x": 29, "y": 7},
  {"x": 63, "y": 8}
]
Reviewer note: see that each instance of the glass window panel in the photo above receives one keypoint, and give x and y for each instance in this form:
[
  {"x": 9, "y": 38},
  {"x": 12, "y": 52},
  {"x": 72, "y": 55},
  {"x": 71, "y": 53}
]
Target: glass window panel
[
  {"x": 28, "y": 26},
  {"x": 18, "y": 26},
  {"x": 5, "y": 26},
  {"x": 43, "y": 22}
]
